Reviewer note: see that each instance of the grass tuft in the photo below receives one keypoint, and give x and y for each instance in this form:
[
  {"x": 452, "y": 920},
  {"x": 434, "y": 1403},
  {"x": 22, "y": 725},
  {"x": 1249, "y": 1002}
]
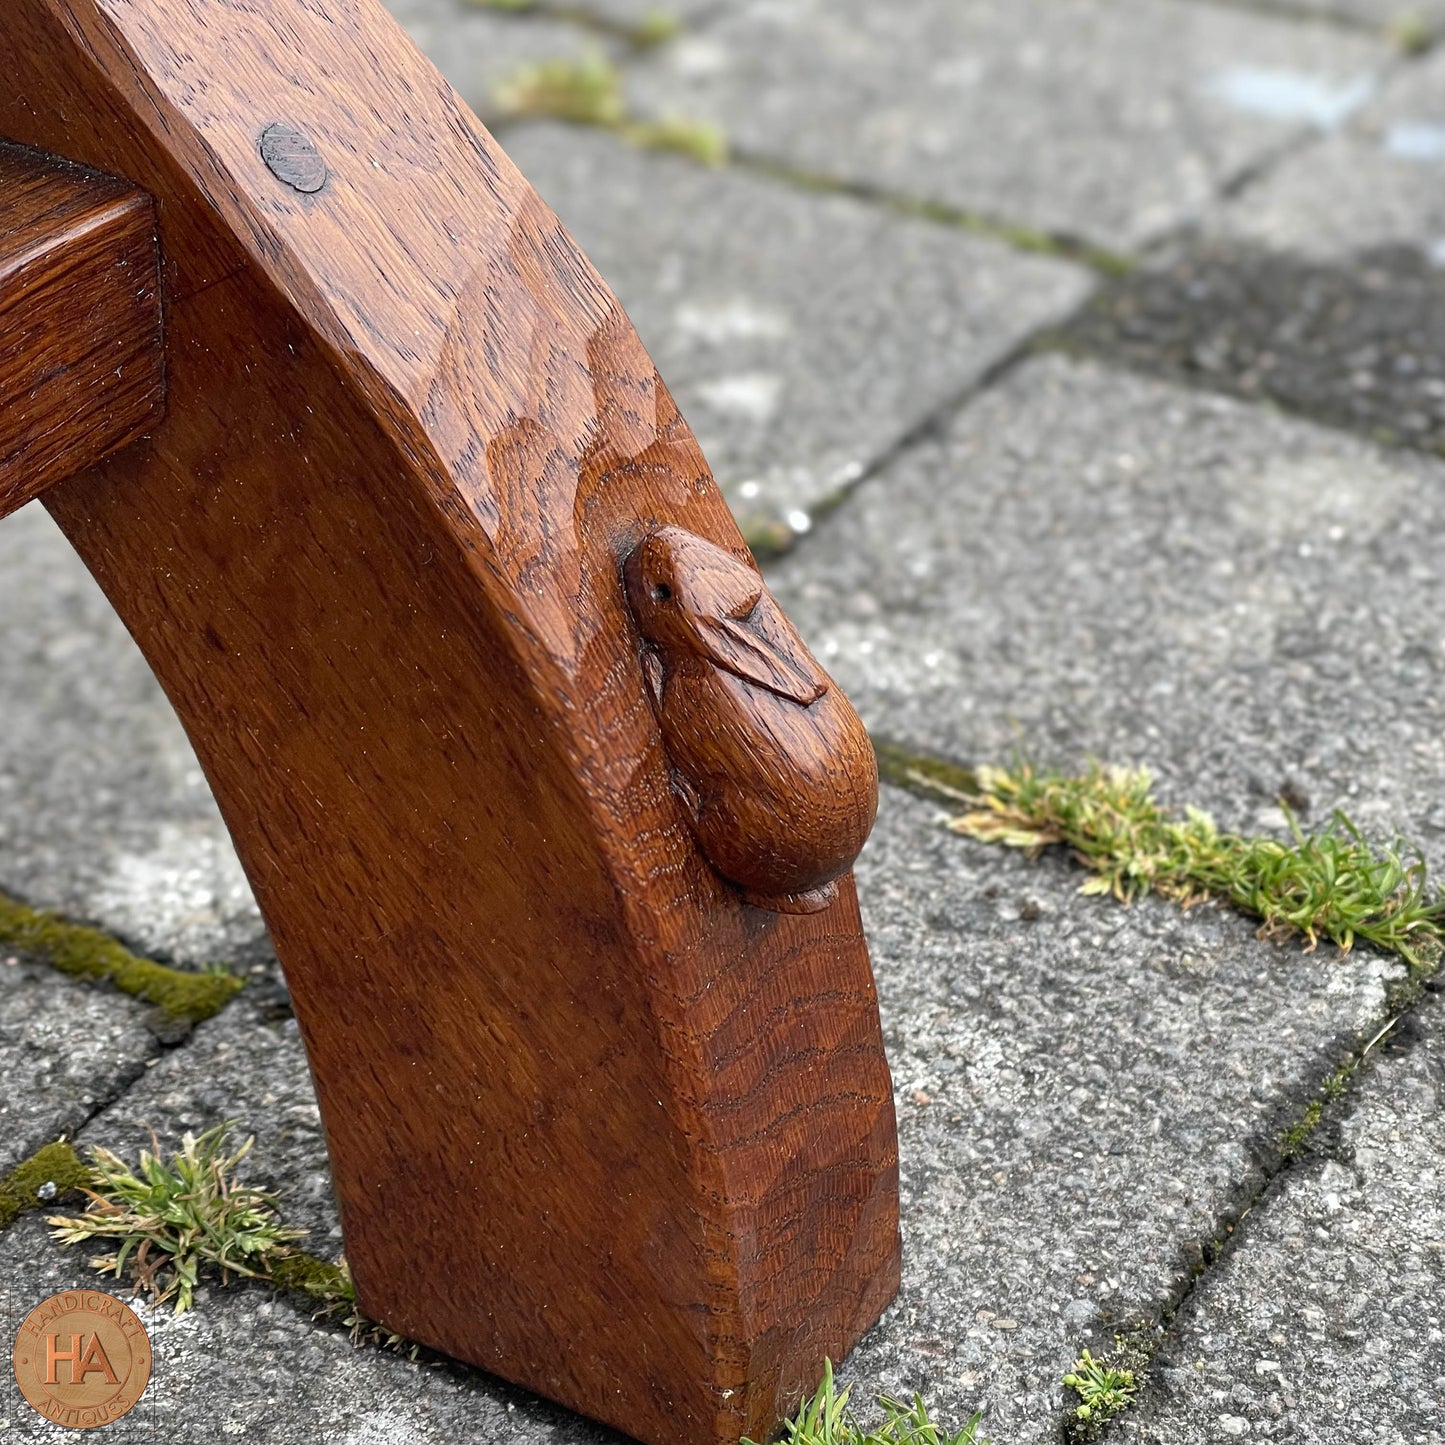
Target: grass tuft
[
  {"x": 172, "y": 1218},
  {"x": 589, "y": 91},
  {"x": 169, "y": 1218},
  {"x": 1331, "y": 884},
  {"x": 827, "y": 1420},
  {"x": 87, "y": 953}
]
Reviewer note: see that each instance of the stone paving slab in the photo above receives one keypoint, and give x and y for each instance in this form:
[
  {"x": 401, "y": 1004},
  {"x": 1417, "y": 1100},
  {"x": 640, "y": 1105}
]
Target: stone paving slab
[
  {"x": 1356, "y": 342},
  {"x": 1326, "y": 1322},
  {"x": 639, "y": 12},
  {"x": 66, "y": 1048},
  {"x": 476, "y": 48},
  {"x": 1085, "y": 1094},
  {"x": 1378, "y": 182},
  {"x": 1090, "y": 563},
  {"x": 1114, "y": 121},
  {"x": 248, "y": 1365},
  {"x": 1403, "y": 20},
  {"x": 804, "y": 334},
  {"x": 104, "y": 812}
]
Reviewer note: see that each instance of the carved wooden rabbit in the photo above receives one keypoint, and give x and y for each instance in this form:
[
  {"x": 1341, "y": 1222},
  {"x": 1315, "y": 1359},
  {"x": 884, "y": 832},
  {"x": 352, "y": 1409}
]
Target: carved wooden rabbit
[{"x": 777, "y": 774}]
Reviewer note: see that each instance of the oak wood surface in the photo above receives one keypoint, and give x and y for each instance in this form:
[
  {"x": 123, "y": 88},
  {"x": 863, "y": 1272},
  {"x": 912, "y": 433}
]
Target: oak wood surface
[
  {"x": 595, "y": 1122},
  {"x": 81, "y": 367}
]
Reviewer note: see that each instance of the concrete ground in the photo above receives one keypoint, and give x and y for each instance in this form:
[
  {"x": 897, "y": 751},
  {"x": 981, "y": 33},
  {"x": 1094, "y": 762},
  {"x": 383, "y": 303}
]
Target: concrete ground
[{"x": 1084, "y": 361}]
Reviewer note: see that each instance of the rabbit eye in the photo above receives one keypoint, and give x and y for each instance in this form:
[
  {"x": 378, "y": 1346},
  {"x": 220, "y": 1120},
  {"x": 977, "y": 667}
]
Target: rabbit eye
[{"x": 662, "y": 592}]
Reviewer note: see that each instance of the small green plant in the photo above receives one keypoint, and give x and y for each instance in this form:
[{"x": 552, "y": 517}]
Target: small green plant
[
  {"x": 1410, "y": 33},
  {"x": 169, "y": 1218},
  {"x": 699, "y": 139},
  {"x": 827, "y": 1420},
  {"x": 586, "y": 91},
  {"x": 656, "y": 27},
  {"x": 589, "y": 91},
  {"x": 1328, "y": 884},
  {"x": 1102, "y": 1389}
]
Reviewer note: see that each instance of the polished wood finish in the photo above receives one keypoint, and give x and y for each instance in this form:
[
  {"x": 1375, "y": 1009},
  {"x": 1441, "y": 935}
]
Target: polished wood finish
[
  {"x": 772, "y": 764},
  {"x": 81, "y": 369},
  {"x": 595, "y": 1121}
]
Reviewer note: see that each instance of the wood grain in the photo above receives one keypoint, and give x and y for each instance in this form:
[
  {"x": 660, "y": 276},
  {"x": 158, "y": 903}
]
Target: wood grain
[
  {"x": 81, "y": 358},
  {"x": 595, "y": 1122}
]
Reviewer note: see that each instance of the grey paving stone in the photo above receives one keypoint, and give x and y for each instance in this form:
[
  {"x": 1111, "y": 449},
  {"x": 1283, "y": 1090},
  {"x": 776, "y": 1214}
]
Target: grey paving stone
[
  {"x": 1087, "y": 1095},
  {"x": 66, "y": 1048},
  {"x": 246, "y": 1364},
  {"x": 1326, "y": 1322},
  {"x": 476, "y": 48},
  {"x": 1357, "y": 342},
  {"x": 1379, "y": 182},
  {"x": 1402, "y": 20},
  {"x": 803, "y": 334},
  {"x": 1091, "y": 563},
  {"x": 1100, "y": 1086},
  {"x": 638, "y": 12},
  {"x": 104, "y": 811},
  {"x": 1111, "y": 120}
]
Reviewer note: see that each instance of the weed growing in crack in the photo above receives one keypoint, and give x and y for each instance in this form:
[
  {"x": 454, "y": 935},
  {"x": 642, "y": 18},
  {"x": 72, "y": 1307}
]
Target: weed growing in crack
[
  {"x": 1330, "y": 884},
  {"x": 1104, "y": 1390},
  {"x": 589, "y": 91},
  {"x": 827, "y": 1420},
  {"x": 169, "y": 1218}
]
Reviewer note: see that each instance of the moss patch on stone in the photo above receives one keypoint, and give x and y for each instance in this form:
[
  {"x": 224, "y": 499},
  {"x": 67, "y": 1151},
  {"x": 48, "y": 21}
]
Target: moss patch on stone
[
  {"x": 56, "y": 1164},
  {"x": 926, "y": 776},
  {"x": 317, "y": 1279},
  {"x": 87, "y": 953}
]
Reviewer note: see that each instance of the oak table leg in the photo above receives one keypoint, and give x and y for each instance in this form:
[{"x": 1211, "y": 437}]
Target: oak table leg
[{"x": 487, "y": 687}]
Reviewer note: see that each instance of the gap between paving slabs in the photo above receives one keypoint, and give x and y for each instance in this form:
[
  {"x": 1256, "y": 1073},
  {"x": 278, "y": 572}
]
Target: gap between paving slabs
[
  {"x": 930, "y": 777},
  {"x": 186, "y": 998},
  {"x": 81, "y": 1019}
]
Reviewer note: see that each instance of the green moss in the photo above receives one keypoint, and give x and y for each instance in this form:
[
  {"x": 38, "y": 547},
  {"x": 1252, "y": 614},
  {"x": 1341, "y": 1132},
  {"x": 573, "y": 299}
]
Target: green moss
[
  {"x": 89, "y": 954},
  {"x": 654, "y": 28},
  {"x": 699, "y": 139},
  {"x": 590, "y": 91},
  {"x": 1410, "y": 33},
  {"x": 1106, "y": 1386},
  {"x": 926, "y": 776},
  {"x": 56, "y": 1164},
  {"x": 1297, "y": 1135},
  {"x": 305, "y": 1274}
]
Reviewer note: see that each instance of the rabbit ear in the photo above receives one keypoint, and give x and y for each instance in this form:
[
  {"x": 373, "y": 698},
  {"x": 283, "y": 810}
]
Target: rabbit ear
[{"x": 769, "y": 656}]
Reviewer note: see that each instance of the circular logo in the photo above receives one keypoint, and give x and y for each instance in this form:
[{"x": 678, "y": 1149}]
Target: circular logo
[{"x": 82, "y": 1358}]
